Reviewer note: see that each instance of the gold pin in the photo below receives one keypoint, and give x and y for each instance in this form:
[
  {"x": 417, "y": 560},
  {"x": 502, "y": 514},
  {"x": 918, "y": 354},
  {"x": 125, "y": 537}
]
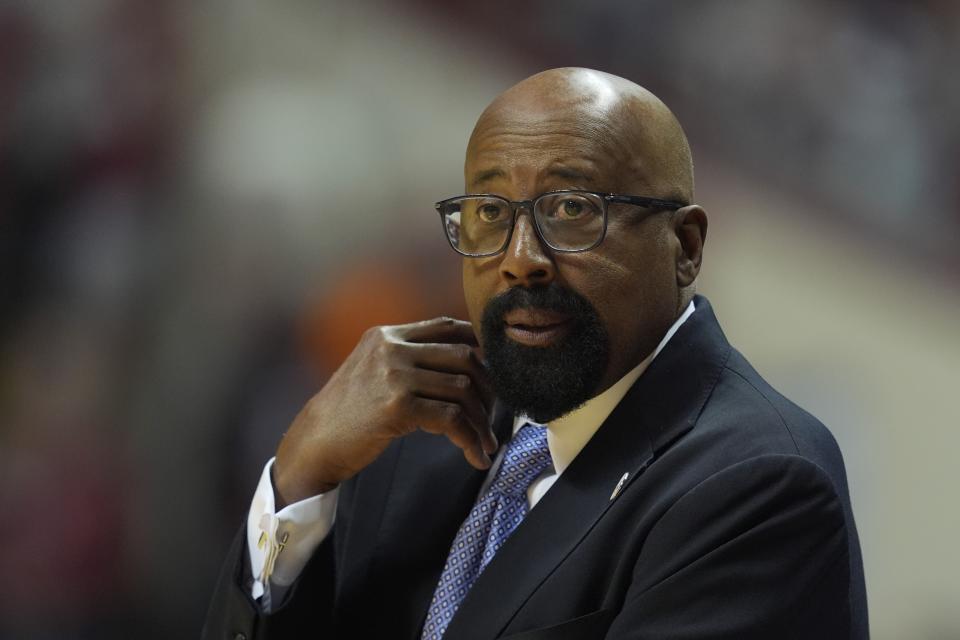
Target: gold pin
[
  {"x": 263, "y": 540},
  {"x": 283, "y": 541},
  {"x": 619, "y": 487}
]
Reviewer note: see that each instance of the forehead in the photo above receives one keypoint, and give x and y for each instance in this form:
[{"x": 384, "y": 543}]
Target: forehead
[{"x": 587, "y": 148}]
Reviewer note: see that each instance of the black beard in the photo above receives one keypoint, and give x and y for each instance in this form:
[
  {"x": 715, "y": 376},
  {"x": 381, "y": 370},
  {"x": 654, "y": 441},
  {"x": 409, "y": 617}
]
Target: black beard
[{"x": 545, "y": 383}]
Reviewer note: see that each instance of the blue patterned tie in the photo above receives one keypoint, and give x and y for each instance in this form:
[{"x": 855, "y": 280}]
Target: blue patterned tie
[{"x": 491, "y": 521}]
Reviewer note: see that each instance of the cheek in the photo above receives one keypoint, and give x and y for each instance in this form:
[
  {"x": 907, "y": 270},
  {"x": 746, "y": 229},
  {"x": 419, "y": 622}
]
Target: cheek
[
  {"x": 606, "y": 284},
  {"x": 632, "y": 292},
  {"x": 475, "y": 291}
]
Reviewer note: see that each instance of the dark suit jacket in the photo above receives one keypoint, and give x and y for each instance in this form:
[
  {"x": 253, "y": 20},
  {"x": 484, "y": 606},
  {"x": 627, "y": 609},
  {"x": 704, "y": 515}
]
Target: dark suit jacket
[{"x": 735, "y": 522}]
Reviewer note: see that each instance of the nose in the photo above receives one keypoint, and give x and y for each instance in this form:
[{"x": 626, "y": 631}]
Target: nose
[{"x": 526, "y": 262}]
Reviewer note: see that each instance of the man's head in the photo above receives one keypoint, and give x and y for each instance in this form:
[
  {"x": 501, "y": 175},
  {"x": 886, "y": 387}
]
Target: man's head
[{"x": 557, "y": 328}]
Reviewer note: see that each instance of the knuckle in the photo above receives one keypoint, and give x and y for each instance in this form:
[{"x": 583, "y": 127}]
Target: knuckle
[
  {"x": 386, "y": 347},
  {"x": 376, "y": 337},
  {"x": 392, "y": 376},
  {"x": 462, "y": 382},
  {"x": 453, "y": 412},
  {"x": 397, "y": 401}
]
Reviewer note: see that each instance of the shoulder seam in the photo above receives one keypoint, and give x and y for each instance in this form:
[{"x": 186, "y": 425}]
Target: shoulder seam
[{"x": 783, "y": 422}]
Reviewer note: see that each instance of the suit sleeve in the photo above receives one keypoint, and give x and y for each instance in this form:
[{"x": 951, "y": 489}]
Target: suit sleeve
[
  {"x": 308, "y": 604},
  {"x": 757, "y": 550},
  {"x": 302, "y": 526}
]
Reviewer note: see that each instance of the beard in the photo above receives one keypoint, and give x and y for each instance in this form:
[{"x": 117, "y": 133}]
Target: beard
[{"x": 545, "y": 383}]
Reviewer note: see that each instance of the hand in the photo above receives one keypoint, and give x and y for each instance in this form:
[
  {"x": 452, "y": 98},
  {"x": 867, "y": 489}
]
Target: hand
[{"x": 424, "y": 375}]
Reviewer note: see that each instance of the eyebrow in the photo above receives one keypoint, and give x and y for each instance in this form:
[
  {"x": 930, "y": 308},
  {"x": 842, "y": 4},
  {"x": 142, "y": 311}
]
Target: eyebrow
[
  {"x": 568, "y": 173},
  {"x": 487, "y": 176},
  {"x": 556, "y": 171}
]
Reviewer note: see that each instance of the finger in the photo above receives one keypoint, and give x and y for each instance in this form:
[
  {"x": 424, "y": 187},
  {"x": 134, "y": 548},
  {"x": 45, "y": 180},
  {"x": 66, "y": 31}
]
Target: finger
[
  {"x": 449, "y": 419},
  {"x": 453, "y": 358},
  {"x": 459, "y": 388},
  {"x": 447, "y": 330}
]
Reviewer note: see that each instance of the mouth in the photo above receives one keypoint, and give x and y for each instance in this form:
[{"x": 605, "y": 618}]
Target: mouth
[{"x": 536, "y": 327}]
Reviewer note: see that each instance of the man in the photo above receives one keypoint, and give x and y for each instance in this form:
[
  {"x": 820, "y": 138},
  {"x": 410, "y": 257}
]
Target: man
[{"x": 671, "y": 493}]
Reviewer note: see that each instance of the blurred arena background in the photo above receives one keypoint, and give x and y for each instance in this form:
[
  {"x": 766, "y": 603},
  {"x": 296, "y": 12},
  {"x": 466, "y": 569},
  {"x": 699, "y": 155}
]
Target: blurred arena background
[{"x": 202, "y": 206}]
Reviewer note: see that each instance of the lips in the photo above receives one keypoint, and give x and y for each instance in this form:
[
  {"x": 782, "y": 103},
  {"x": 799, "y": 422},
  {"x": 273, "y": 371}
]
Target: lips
[
  {"x": 534, "y": 317},
  {"x": 536, "y": 327}
]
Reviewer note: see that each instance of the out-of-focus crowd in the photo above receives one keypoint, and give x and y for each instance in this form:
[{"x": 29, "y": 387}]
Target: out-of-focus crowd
[
  {"x": 203, "y": 205},
  {"x": 854, "y": 105}
]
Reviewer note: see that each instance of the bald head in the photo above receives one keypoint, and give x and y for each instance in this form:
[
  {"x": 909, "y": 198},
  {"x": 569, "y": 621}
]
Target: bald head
[{"x": 624, "y": 120}]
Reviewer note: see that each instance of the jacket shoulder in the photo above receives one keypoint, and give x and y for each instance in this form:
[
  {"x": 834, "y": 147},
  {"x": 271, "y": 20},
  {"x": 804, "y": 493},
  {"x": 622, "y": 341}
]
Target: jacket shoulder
[{"x": 747, "y": 409}]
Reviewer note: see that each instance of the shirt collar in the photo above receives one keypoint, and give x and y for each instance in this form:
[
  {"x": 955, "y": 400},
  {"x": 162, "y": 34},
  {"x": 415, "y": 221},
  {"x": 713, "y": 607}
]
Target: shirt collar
[{"x": 569, "y": 434}]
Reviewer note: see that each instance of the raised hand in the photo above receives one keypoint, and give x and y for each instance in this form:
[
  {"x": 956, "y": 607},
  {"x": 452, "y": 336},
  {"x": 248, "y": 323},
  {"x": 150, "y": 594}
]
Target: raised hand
[{"x": 424, "y": 375}]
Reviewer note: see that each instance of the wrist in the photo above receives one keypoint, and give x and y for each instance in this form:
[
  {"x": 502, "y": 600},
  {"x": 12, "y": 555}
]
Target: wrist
[{"x": 287, "y": 490}]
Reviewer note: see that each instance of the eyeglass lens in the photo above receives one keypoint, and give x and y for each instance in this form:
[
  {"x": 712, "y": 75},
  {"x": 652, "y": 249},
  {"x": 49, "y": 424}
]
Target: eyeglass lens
[{"x": 480, "y": 225}]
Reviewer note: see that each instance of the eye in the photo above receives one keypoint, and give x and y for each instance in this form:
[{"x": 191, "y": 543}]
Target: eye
[
  {"x": 491, "y": 211},
  {"x": 571, "y": 208}
]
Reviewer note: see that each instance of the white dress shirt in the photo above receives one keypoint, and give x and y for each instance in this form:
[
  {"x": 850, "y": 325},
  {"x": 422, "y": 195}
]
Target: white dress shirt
[{"x": 281, "y": 542}]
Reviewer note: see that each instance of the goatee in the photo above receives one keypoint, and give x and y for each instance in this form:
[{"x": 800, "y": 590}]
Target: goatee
[{"x": 545, "y": 382}]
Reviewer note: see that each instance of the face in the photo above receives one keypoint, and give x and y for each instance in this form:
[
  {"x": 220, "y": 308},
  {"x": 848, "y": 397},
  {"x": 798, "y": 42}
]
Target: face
[{"x": 521, "y": 301}]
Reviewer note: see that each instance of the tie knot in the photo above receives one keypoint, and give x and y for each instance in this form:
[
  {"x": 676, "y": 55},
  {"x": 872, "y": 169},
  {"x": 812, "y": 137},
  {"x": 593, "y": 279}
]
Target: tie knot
[{"x": 526, "y": 457}]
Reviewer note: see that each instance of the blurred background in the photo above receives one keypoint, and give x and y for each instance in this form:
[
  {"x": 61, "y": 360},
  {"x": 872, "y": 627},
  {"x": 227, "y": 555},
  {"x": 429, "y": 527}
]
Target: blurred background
[{"x": 203, "y": 205}]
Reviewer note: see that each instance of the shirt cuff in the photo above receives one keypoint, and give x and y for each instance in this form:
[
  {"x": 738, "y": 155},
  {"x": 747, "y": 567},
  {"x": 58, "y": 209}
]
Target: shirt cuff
[{"x": 281, "y": 543}]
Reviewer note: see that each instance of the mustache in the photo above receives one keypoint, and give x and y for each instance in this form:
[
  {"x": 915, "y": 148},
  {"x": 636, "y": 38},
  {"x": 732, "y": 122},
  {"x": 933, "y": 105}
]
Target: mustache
[{"x": 553, "y": 297}]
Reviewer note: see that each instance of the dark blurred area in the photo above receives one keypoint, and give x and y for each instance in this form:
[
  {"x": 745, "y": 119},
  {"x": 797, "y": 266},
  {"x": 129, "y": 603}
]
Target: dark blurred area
[{"x": 203, "y": 205}]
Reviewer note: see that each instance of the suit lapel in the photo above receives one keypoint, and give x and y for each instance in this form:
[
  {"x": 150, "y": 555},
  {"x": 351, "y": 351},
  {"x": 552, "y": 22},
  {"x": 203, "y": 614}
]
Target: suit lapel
[
  {"x": 660, "y": 407},
  {"x": 424, "y": 501}
]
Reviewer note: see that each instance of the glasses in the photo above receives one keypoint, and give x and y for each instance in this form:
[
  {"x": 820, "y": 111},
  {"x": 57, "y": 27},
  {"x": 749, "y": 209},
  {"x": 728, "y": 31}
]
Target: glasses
[{"x": 570, "y": 221}]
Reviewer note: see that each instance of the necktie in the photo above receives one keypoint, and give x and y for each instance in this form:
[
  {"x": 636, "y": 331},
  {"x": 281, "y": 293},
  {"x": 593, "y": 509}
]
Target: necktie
[{"x": 491, "y": 521}]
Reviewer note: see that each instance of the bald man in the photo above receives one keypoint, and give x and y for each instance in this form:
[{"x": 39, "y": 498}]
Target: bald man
[{"x": 587, "y": 457}]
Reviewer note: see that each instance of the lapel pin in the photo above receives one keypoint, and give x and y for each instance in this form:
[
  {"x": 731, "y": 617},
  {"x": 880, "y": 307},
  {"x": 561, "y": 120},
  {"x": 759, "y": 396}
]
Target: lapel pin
[{"x": 619, "y": 487}]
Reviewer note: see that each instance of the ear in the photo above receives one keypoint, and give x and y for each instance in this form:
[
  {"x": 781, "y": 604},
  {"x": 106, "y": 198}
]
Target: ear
[{"x": 690, "y": 226}]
